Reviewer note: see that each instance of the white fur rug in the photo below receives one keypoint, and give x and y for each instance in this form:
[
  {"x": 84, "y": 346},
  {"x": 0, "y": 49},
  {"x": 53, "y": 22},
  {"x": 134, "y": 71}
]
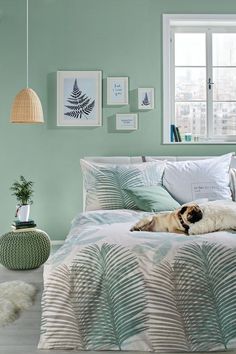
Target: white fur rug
[
  {"x": 15, "y": 296},
  {"x": 218, "y": 215}
]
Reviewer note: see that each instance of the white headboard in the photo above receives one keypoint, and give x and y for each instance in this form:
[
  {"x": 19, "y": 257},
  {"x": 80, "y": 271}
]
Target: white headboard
[{"x": 140, "y": 159}]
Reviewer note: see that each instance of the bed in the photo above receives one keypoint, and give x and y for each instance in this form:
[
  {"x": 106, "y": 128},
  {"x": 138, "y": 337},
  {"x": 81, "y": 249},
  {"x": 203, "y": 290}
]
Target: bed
[{"x": 108, "y": 288}]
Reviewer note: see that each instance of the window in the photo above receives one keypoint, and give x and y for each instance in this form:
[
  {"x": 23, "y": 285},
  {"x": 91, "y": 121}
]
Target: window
[{"x": 199, "y": 78}]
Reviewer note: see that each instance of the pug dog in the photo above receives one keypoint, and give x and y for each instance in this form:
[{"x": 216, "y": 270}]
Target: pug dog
[{"x": 177, "y": 221}]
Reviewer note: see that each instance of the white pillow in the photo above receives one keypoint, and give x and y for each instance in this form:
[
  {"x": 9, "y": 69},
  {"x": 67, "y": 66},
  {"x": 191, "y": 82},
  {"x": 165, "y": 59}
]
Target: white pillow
[
  {"x": 217, "y": 215},
  {"x": 195, "y": 179}
]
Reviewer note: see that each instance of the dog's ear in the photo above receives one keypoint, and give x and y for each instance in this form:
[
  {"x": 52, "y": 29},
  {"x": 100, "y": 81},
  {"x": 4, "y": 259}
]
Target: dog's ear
[{"x": 183, "y": 209}]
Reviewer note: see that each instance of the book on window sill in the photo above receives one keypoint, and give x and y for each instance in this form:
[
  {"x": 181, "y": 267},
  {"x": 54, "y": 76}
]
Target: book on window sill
[
  {"x": 178, "y": 134},
  {"x": 174, "y": 134}
]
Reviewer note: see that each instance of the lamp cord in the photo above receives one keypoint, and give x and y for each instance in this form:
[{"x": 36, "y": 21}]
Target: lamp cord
[{"x": 27, "y": 43}]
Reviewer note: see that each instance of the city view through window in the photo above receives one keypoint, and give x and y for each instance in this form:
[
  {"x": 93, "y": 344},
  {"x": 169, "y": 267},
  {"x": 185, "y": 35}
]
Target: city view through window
[{"x": 201, "y": 107}]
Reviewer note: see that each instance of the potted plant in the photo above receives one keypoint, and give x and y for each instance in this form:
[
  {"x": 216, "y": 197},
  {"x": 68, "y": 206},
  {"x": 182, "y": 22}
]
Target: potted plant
[{"x": 23, "y": 191}]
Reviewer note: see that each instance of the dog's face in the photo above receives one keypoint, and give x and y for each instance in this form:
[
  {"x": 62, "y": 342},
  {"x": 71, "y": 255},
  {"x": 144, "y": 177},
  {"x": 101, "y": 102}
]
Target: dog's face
[{"x": 191, "y": 213}]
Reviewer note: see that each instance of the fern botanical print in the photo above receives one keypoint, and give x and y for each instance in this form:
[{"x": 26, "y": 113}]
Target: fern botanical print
[
  {"x": 79, "y": 104},
  {"x": 111, "y": 289}
]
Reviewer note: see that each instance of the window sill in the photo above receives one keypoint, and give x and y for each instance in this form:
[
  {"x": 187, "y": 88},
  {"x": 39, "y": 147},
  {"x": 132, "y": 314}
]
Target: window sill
[{"x": 201, "y": 143}]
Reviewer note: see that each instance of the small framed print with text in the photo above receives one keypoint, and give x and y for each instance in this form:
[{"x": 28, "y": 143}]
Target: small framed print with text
[
  {"x": 117, "y": 91},
  {"x": 127, "y": 121}
]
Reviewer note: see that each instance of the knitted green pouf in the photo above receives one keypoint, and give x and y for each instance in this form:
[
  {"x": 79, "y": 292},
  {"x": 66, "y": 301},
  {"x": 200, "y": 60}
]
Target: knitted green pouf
[{"x": 24, "y": 249}]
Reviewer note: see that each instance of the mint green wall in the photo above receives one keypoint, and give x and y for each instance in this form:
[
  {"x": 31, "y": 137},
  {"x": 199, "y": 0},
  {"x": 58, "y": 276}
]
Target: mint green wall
[{"x": 119, "y": 37}]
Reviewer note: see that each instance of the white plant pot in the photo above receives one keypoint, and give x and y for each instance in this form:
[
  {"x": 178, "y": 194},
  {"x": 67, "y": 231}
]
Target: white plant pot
[{"x": 23, "y": 212}]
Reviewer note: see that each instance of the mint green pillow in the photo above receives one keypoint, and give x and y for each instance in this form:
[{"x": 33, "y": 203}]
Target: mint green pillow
[{"x": 152, "y": 198}]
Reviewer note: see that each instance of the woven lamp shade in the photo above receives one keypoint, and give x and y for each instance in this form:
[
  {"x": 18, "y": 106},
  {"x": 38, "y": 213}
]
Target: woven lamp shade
[{"x": 27, "y": 108}]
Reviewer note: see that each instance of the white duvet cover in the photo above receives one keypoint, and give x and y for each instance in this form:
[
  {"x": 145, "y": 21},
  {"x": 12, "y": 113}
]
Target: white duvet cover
[{"x": 108, "y": 288}]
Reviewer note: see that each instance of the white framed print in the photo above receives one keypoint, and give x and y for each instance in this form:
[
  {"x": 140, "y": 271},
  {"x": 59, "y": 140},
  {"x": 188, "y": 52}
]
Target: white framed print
[
  {"x": 127, "y": 121},
  {"x": 79, "y": 101},
  {"x": 145, "y": 98},
  {"x": 117, "y": 91}
]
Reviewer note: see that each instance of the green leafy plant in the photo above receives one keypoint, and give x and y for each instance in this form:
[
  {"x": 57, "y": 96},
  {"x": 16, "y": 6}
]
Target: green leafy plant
[{"x": 23, "y": 190}]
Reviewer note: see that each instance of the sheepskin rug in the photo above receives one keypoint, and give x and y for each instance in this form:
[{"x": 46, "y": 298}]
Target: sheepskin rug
[
  {"x": 15, "y": 296},
  {"x": 218, "y": 215}
]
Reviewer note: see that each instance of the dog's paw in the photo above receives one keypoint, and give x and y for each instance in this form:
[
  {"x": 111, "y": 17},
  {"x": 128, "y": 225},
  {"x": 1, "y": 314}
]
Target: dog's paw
[
  {"x": 143, "y": 225},
  {"x": 134, "y": 228}
]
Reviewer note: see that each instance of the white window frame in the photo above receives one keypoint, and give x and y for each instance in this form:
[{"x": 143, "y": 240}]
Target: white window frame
[{"x": 182, "y": 22}]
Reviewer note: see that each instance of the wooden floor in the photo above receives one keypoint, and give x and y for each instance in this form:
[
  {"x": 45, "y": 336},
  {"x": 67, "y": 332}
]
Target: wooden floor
[{"x": 21, "y": 337}]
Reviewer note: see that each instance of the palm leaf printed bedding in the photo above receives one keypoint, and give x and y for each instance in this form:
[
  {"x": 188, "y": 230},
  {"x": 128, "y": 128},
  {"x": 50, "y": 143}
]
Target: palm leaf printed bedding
[{"x": 108, "y": 288}]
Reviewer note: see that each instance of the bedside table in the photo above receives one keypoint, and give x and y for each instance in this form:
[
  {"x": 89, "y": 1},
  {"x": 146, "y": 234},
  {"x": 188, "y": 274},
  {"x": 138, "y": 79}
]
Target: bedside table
[{"x": 24, "y": 248}]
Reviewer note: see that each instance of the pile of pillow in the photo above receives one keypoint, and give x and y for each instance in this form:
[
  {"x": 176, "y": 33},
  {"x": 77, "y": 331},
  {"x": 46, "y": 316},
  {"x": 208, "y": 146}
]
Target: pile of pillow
[{"x": 155, "y": 185}]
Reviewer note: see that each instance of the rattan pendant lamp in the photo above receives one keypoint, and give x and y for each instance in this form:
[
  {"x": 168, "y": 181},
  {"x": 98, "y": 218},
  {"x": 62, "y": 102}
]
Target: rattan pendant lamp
[{"x": 27, "y": 107}]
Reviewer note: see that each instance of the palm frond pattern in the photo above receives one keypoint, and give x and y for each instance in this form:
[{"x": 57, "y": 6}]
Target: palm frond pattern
[
  {"x": 109, "y": 298},
  {"x": 199, "y": 289}
]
